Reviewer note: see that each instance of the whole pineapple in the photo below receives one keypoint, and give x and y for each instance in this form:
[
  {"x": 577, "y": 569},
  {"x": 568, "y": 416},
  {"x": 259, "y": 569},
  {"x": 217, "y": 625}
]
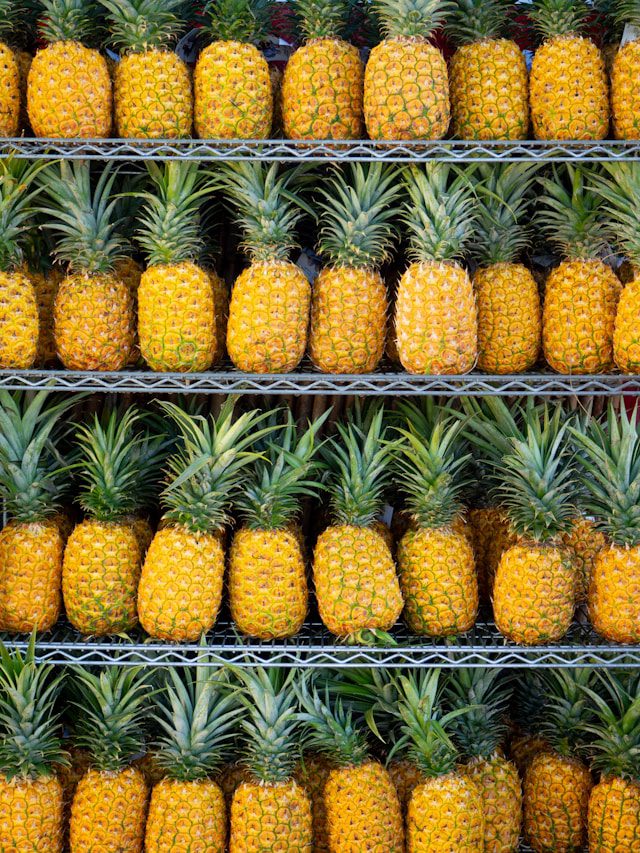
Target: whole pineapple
[
  {"x": 436, "y": 319},
  {"x": 10, "y": 88},
  {"x": 69, "y": 87},
  {"x": 233, "y": 91},
  {"x": 152, "y": 85},
  {"x": 488, "y": 74},
  {"x": 349, "y": 302},
  {"x": 406, "y": 85},
  {"x": 625, "y": 101},
  {"x": 569, "y": 90},
  {"x": 323, "y": 79}
]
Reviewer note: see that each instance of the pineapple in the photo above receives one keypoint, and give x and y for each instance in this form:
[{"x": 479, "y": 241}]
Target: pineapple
[
  {"x": 196, "y": 719},
  {"x": 180, "y": 587},
  {"x": 270, "y": 300},
  {"x": 584, "y": 542},
  {"x": 569, "y": 91},
  {"x": 323, "y": 79},
  {"x": 354, "y": 574},
  {"x": 406, "y": 85},
  {"x": 32, "y": 483},
  {"x": 312, "y": 774},
  {"x": 625, "y": 101},
  {"x": 270, "y": 809},
  {"x": 267, "y": 574},
  {"x": 152, "y": 85},
  {"x": 110, "y": 802},
  {"x": 488, "y": 75},
  {"x": 176, "y": 309},
  {"x": 10, "y": 79},
  {"x": 31, "y": 796},
  {"x": 232, "y": 83},
  {"x": 69, "y": 87},
  {"x": 509, "y": 310},
  {"x": 581, "y": 294},
  {"x": 481, "y": 733},
  {"x": 557, "y": 783},
  {"x": 362, "y": 807},
  {"x": 46, "y": 281},
  {"x": 435, "y": 557},
  {"x": 349, "y": 303},
  {"x": 93, "y": 311},
  {"x": 436, "y": 320}
]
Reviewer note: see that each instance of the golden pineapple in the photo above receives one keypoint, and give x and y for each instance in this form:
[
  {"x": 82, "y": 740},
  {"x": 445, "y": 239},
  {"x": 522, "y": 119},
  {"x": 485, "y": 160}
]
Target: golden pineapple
[
  {"x": 45, "y": 283},
  {"x": 625, "y": 67},
  {"x": 10, "y": 78},
  {"x": 312, "y": 774},
  {"x": 406, "y": 776},
  {"x": 129, "y": 271},
  {"x": 584, "y": 541}
]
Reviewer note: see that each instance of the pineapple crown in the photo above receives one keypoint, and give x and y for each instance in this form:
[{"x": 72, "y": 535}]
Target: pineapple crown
[
  {"x": 30, "y": 741},
  {"x": 504, "y": 205},
  {"x": 321, "y": 19},
  {"x": 246, "y": 21},
  {"x": 271, "y": 724},
  {"x": 356, "y": 216},
  {"x": 529, "y": 700},
  {"x": 67, "y": 20},
  {"x": 619, "y": 187},
  {"x": 411, "y": 18},
  {"x": 270, "y": 499},
  {"x": 82, "y": 218},
  {"x": 110, "y": 712},
  {"x": 140, "y": 25},
  {"x": 553, "y": 18},
  {"x": 622, "y": 11},
  {"x": 440, "y": 214},
  {"x": 610, "y": 462},
  {"x": 16, "y": 211},
  {"x": 614, "y": 748},
  {"x": 566, "y": 709},
  {"x": 476, "y": 20},
  {"x": 483, "y": 729},
  {"x": 33, "y": 476},
  {"x": 205, "y": 475},
  {"x": 11, "y": 15}
]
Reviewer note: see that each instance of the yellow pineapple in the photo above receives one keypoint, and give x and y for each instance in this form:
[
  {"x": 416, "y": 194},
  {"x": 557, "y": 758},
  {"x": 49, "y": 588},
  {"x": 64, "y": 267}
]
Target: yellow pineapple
[
  {"x": 323, "y": 79},
  {"x": 625, "y": 67},
  {"x": 69, "y": 87},
  {"x": 46, "y": 282},
  {"x": 11, "y": 93},
  {"x": 312, "y": 774},
  {"x": 584, "y": 541}
]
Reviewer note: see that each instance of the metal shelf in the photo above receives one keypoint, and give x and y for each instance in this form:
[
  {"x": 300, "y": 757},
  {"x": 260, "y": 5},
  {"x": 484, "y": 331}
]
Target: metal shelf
[
  {"x": 315, "y": 647},
  {"x": 320, "y": 151},
  {"x": 308, "y": 381}
]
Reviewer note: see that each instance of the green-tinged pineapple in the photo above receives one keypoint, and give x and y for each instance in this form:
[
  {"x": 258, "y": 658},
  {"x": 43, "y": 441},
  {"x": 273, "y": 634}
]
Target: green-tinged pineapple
[
  {"x": 436, "y": 317},
  {"x": 232, "y": 83},
  {"x": 625, "y": 100},
  {"x": 323, "y": 79},
  {"x": 267, "y": 574},
  {"x": 151, "y": 84},
  {"x": 354, "y": 573},
  {"x": 31, "y": 796},
  {"x": 349, "y": 303},
  {"x": 508, "y": 301},
  {"x": 581, "y": 294},
  {"x": 33, "y": 480},
  {"x": 435, "y": 556},
  {"x": 270, "y": 299},
  {"x": 180, "y": 588},
  {"x": 569, "y": 90},
  {"x": 270, "y": 808},
  {"x": 481, "y": 733}
]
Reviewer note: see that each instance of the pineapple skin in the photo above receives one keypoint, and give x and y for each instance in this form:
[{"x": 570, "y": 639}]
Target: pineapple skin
[
  {"x": 348, "y": 320},
  {"x": 363, "y": 810},
  {"x": 614, "y": 816},
  {"x": 534, "y": 593},
  {"x": 100, "y": 574},
  {"x": 569, "y": 90},
  {"x": 509, "y": 318},
  {"x": 438, "y": 581},
  {"x": 406, "y": 776},
  {"x": 265, "y": 816},
  {"x": 322, "y": 91},
  {"x": 45, "y": 286},
  {"x": 180, "y": 587},
  {"x": 19, "y": 324},
  {"x": 109, "y": 808},
  {"x": 626, "y": 338},
  {"x": 10, "y": 95},
  {"x": 269, "y": 317},
  {"x": 584, "y": 542},
  {"x": 312, "y": 774},
  {"x": 185, "y": 816},
  {"x": 436, "y": 319},
  {"x": 581, "y": 299},
  {"x": 488, "y": 527},
  {"x": 229, "y": 778},
  {"x": 489, "y": 91},
  {"x": 445, "y": 813},
  {"x": 267, "y": 583},
  {"x": 233, "y": 92},
  {"x": 614, "y": 594},
  {"x": 152, "y": 96},
  {"x": 625, "y": 98},
  {"x": 355, "y": 579},
  {"x": 94, "y": 323},
  {"x": 130, "y": 272},
  {"x": 406, "y": 91},
  {"x": 499, "y": 784},
  {"x": 69, "y": 92},
  {"x": 30, "y": 580},
  {"x": 31, "y": 814},
  {"x": 220, "y": 313},
  {"x": 176, "y": 318},
  {"x": 556, "y": 799}
]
